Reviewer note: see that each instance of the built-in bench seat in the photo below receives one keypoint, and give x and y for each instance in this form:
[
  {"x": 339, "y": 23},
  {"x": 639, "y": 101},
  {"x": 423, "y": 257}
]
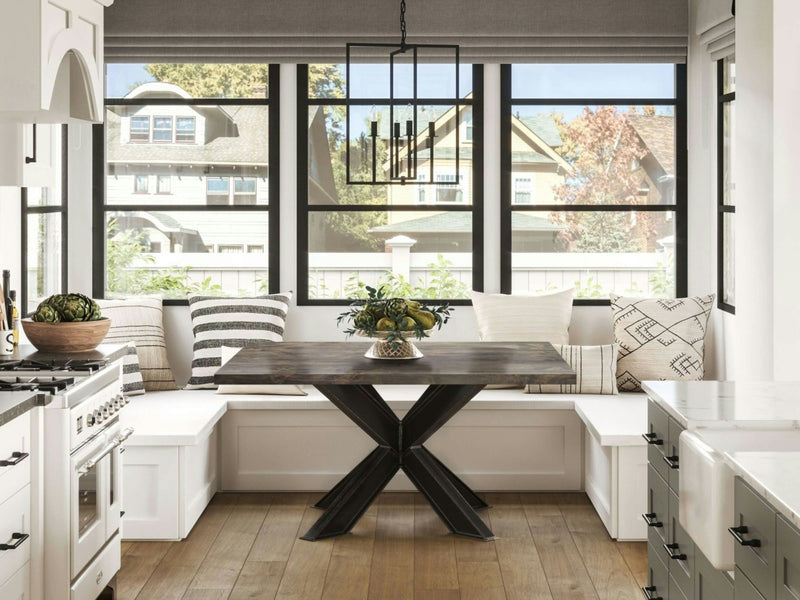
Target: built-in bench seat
[{"x": 502, "y": 440}]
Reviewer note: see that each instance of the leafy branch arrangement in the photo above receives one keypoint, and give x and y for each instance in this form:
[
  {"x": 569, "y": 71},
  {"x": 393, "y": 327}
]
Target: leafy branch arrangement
[{"x": 378, "y": 315}]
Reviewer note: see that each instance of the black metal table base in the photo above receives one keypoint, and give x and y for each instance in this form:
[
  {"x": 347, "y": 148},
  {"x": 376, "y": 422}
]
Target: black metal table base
[{"x": 400, "y": 446}]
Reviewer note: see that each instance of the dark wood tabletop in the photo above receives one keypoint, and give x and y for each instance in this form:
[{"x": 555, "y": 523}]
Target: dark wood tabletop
[{"x": 444, "y": 363}]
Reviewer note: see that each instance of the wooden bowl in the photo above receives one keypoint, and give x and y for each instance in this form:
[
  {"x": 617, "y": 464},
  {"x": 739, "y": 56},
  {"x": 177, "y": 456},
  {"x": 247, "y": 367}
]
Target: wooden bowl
[{"x": 79, "y": 336}]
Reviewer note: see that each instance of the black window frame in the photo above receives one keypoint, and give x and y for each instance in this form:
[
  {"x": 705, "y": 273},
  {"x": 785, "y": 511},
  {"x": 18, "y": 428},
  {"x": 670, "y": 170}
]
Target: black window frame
[
  {"x": 722, "y": 208},
  {"x": 100, "y": 208},
  {"x": 507, "y": 101},
  {"x": 62, "y": 208},
  {"x": 304, "y": 208}
]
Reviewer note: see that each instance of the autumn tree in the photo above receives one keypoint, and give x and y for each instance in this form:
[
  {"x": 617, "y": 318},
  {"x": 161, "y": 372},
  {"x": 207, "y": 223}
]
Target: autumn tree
[{"x": 602, "y": 147}]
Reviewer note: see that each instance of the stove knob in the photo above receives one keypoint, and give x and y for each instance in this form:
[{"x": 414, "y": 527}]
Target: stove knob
[
  {"x": 98, "y": 416},
  {"x": 127, "y": 399},
  {"x": 105, "y": 412},
  {"x": 119, "y": 401},
  {"x": 89, "y": 420},
  {"x": 110, "y": 408}
]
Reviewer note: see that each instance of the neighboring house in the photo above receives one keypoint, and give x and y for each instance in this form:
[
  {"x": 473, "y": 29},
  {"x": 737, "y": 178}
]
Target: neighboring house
[
  {"x": 657, "y": 135},
  {"x": 173, "y": 155}
]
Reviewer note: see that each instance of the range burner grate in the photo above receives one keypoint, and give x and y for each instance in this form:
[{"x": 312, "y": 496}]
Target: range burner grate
[
  {"x": 56, "y": 366},
  {"x": 51, "y": 385}
]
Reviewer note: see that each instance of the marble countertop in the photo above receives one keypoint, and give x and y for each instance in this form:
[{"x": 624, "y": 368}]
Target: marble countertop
[
  {"x": 774, "y": 475},
  {"x": 723, "y": 404},
  {"x": 14, "y": 404}
]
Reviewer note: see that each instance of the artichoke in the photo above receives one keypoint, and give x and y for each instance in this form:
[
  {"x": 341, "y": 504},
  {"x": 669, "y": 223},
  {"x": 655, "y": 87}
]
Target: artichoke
[
  {"x": 396, "y": 308},
  {"x": 95, "y": 316},
  {"x": 46, "y": 314},
  {"x": 364, "y": 320}
]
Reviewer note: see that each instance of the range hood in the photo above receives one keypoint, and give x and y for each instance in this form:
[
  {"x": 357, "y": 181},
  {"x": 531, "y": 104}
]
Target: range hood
[{"x": 52, "y": 70}]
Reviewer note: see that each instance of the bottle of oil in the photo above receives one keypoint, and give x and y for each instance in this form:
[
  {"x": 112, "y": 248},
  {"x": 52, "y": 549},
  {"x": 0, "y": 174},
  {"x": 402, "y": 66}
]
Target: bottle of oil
[{"x": 14, "y": 316}]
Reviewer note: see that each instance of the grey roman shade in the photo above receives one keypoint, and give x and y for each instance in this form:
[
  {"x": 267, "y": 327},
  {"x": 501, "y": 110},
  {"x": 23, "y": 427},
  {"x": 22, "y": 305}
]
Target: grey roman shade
[
  {"x": 316, "y": 31},
  {"x": 716, "y": 27}
]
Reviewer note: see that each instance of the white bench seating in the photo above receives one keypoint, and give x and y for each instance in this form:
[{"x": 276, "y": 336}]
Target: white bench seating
[{"x": 189, "y": 444}]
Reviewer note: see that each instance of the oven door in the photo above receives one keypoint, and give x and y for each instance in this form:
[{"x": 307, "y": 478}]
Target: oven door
[
  {"x": 114, "y": 512},
  {"x": 89, "y": 497}
]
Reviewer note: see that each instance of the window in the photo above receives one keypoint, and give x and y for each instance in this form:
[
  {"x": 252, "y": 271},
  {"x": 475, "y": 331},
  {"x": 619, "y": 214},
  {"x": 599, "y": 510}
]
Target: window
[
  {"x": 163, "y": 184},
  {"x": 593, "y": 189},
  {"x": 523, "y": 190},
  {"x": 185, "y": 130},
  {"x": 140, "y": 184},
  {"x": 210, "y": 162},
  {"x": 44, "y": 236},
  {"x": 162, "y": 129},
  {"x": 422, "y": 240},
  {"x": 140, "y": 129},
  {"x": 726, "y": 188}
]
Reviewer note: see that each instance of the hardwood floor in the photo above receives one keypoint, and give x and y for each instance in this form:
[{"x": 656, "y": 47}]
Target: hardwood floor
[{"x": 246, "y": 546}]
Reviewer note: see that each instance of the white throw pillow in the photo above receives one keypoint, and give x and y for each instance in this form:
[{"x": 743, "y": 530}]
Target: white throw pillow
[
  {"x": 595, "y": 367},
  {"x": 659, "y": 339},
  {"x": 274, "y": 389},
  {"x": 524, "y": 318}
]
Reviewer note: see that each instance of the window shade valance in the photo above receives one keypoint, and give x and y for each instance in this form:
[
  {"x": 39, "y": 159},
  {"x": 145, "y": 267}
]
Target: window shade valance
[
  {"x": 316, "y": 31},
  {"x": 716, "y": 27}
]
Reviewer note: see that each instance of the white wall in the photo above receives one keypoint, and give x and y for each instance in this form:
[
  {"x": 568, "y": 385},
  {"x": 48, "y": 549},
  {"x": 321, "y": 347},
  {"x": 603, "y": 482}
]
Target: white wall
[
  {"x": 10, "y": 240},
  {"x": 786, "y": 158}
]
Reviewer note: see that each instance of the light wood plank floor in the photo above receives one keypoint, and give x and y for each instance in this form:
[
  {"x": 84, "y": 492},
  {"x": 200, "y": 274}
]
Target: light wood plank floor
[{"x": 246, "y": 546}]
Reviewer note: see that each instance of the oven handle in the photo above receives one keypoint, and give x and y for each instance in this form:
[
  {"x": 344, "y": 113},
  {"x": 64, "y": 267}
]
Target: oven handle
[{"x": 117, "y": 441}]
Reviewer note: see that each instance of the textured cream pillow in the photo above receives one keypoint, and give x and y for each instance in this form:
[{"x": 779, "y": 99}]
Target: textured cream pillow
[
  {"x": 594, "y": 366},
  {"x": 518, "y": 318},
  {"x": 659, "y": 339},
  {"x": 272, "y": 389}
]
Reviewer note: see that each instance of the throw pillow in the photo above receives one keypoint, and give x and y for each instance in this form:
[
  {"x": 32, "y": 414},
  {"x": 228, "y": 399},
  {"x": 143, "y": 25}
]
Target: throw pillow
[
  {"x": 132, "y": 384},
  {"x": 232, "y": 322},
  {"x": 659, "y": 339},
  {"x": 517, "y": 318},
  {"x": 140, "y": 320},
  {"x": 275, "y": 389},
  {"x": 595, "y": 367}
]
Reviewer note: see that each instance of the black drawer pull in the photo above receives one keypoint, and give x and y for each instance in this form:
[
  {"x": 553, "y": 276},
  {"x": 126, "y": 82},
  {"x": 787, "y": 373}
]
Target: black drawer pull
[
  {"x": 672, "y": 461},
  {"x": 737, "y": 532},
  {"x": 16, "y": 458},
  {"x": 650, "y": 519},
  {"x": 673, "y": 551},
  {"x": 648, "y": 593},
  {"x": 18, "y": 537},
  {"x": 651, "y": 439}
]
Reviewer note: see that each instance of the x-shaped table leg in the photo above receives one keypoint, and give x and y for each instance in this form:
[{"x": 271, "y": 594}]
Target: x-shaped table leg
[{"x": 400, "y": 447}]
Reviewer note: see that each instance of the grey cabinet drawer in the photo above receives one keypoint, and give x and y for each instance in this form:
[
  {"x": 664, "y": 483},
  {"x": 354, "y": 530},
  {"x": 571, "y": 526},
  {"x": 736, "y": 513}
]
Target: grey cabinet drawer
[
  {"x": 658, "y": 437},
  {"x": 744, "y": 590},
  {"x": 657, "y": 515},
  {"x": 787, "y": 560},
  {"x": 679, "y": 552},
  {"x": 675, "y": 592},
  {"x": 657, "y": 575},
  {"x": 709, "y": 583},
  {"x": 755, "y": 555},
  {"x": 671, "y": 454}
]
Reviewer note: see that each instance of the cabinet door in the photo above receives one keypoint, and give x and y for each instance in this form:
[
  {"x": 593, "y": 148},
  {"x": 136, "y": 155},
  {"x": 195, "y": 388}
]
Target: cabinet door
[
  {"x": 41, "y": 149},
  {"x": 658, "y": 437},
  {"x": 18, "y": 586},
  {"x": 709, "y": 583},
  {"x": 657, "y": 575},
  {"x": 680, "y": 551},
  {"x": 744, "y": 589},
  {"x": 671, "y": 459},
  {"x": 787, "y": 559},
  {"x": 754, "y": 553},
  {"x": 657, "y": 516}
]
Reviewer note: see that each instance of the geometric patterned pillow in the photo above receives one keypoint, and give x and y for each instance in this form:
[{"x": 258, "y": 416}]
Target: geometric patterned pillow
[
  {"x": 234, "y": 323},
  {"x": 659, "y": 339}
]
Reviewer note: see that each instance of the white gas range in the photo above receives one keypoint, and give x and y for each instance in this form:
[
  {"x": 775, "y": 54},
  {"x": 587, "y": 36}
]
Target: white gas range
[{"x": 82, "y": 470}]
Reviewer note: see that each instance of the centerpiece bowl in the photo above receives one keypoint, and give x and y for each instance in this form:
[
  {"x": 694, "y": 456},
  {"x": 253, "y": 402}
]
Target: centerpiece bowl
[
  {"x": 66, "y": 323},
  {"x": 393, "y": 323}
]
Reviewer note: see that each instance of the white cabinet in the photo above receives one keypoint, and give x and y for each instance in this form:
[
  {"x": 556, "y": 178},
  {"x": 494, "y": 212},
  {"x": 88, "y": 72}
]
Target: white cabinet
[
  {"x": 15, "y": 508},
  {"x": 30, "y": 155},
  {"x": 52, "y": 65}
]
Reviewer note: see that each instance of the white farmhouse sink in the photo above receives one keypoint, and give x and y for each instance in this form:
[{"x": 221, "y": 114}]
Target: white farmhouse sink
[{"x": 706, "y": 483}]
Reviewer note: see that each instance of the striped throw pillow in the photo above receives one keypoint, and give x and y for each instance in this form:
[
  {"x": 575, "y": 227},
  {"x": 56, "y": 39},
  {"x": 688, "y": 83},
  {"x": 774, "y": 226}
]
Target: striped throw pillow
[
  {"x": 132, "y": 384},
  {"x": 234, "y": 323},
  {"x": 140, "y": 320},
  {"x": 595, "y": 367}
]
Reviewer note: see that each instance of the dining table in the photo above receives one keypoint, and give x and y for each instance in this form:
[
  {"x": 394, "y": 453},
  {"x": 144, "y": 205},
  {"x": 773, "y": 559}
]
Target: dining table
[{"x": 454, "y": 373}]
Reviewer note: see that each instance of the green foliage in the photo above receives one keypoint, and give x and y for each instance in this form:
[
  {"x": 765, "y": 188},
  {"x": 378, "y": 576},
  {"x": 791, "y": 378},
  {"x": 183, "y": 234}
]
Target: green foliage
[
  {"x": 662, "y": 282},
  {"x": 125, "y": 255},
  {"x": 591, "y": 289},
  {"x": 443, "y": 284}
]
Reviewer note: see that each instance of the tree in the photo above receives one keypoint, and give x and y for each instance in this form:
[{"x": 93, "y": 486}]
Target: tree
[{"x": 602, "y": 147}]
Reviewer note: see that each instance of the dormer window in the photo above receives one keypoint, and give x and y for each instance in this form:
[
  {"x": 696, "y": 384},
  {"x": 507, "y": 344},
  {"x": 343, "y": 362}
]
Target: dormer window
[
  {"x": 185, "y": 130},
  {"x": 162, "y": 129},
  {"x": 140, "y": 129}
]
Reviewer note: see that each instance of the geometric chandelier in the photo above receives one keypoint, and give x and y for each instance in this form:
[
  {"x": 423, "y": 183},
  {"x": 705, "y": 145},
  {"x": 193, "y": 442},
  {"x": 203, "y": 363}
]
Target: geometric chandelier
[{"x": 395, "y": 148}]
